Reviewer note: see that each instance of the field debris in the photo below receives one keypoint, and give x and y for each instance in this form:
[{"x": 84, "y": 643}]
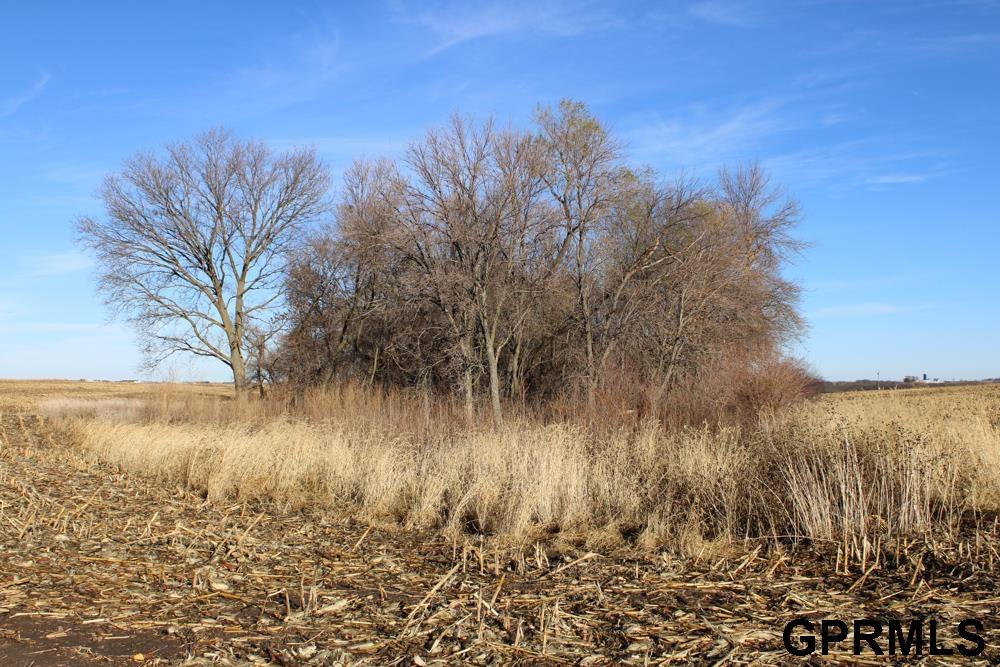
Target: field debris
[{"x": 97, "y": 567}]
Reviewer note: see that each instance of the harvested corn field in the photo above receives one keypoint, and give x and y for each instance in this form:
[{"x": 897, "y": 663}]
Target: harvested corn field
[{"x": 104, "y": 566}]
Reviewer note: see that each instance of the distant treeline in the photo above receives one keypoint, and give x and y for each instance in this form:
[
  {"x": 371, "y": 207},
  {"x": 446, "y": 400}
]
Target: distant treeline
[{"x": 868, "y": 385}]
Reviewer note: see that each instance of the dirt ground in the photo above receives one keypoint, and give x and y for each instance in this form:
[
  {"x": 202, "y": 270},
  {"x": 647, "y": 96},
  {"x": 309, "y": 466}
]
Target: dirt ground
[{"x": 97, "y": 568}]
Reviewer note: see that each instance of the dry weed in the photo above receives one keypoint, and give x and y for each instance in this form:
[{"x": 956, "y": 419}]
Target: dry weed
[{"x": 849, "y": 469}]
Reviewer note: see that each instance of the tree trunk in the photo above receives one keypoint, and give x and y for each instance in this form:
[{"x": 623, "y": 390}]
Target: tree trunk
[
  {"x": 585, "y": 314},
  {"x": 239, "y": 373},
  {"x": 239, "y": 376},
  {"x": 491, "y": 362},
  {"x": 515, "y": 370},
  {"x": 371, "y": 375},
  {"x": 326, "y": 375},
  {"x": 261, "y": 351},
  {"x": 470, "y": 412},
  {"x": 678, "y": 344}
]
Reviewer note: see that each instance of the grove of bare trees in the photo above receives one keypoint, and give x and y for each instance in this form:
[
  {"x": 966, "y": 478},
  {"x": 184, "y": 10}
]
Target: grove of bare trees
[
  {"x": 502, "y": 264},
  {"x": 492, "y": 263}
]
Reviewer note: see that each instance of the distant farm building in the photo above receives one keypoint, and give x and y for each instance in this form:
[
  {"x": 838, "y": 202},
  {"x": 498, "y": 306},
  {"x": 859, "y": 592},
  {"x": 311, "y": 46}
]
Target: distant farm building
[{"x": 923, "y": 379}]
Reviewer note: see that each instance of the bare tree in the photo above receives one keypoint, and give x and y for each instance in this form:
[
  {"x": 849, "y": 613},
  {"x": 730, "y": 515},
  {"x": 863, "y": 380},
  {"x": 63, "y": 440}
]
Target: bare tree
[
  {"x": 581, "y": 177},
  {"x": 192, "y": 249},
  {"x": 474, "y": 228},
  {"x": 336, "y": 283}
]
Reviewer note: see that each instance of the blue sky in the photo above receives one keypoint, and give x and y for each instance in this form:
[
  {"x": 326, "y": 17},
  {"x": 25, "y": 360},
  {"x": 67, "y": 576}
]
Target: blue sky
[{"x": 881, "y": 118}]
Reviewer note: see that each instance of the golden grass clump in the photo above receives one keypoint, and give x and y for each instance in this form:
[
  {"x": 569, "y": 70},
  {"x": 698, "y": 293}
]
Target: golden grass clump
[{"x": 838, "y": 469}]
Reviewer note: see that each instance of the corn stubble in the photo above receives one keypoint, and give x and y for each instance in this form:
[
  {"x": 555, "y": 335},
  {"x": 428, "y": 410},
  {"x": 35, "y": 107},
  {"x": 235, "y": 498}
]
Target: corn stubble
[{"x": 176, "y": 526}]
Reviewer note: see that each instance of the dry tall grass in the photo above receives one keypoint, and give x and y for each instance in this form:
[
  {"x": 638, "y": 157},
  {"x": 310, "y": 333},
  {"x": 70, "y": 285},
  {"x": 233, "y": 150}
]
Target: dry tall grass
[{"x": 849, "y": 469}]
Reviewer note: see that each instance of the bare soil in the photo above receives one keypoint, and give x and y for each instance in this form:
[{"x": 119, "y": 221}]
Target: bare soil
[{"x": 101, "y": 568}]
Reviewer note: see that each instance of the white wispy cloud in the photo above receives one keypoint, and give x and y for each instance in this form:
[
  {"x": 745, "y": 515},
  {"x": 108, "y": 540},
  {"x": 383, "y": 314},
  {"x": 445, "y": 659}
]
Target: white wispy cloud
[
  {"x": 265, "y": 81},
  {"x": 706, "y": 135},
  {"x": 20, "y": 136},
  {"x": 896, "y": 179},
  {"x": 871, "y": 162},
  {"x": 868, "y": 282},
  {"x": 724, "y": 12},
  {"x": 866, "y": 310},
  {"x": 80, "y": 175},
  {"x": 942, "y": 44},
  {"x": 352, "y": 146},
  {"x": 49, "y": 327},
  {"x": 275, "y": 85},
  {"x": 703, "y": 136},
  {"x": 458, "y": 22},
  {"x": 9, "y": 307},
  {"x": 59, "y": 263},
  {"x": 10, "y": 104}
]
